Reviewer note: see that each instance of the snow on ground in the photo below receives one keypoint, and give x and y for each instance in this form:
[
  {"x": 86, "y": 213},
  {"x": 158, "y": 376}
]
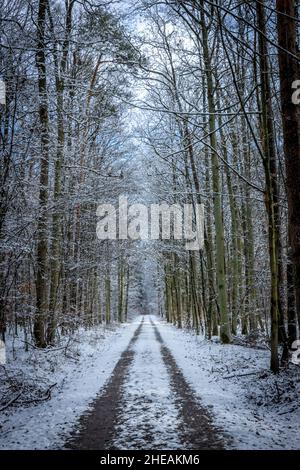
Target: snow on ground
[
  {"x": 149, "y": 415},
  {"x": 258, "y": 411},
  {"x": 79, "y": 375}
]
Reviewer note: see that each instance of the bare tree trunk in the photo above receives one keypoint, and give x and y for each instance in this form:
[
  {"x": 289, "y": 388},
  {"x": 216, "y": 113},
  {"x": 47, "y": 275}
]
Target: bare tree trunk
[
  {"x": 107, "y": 299},
  {"x": 127, "y": 293},
  {"x": 289, "y": 72},
  {"x": 60, "y": 68},
  {"x": 42, "y": 244},
  {"x": 121, "y": 274},
  {"x": 271, "y": 195},
  {"x": 218, "y": 216},
  {"x": 291, "y": 306}
]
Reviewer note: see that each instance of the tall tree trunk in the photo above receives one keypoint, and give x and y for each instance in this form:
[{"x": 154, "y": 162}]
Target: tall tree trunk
[
  {"x": 289, "y": 72},
  {"x": 121, "y": 280},
  {"x": 271, "y": 194},
  {"x": 42, "y": 244},
  {"x": 217, "y": 200},
  {"x": 60, "y": 69},
  {"x": 56, "y": 220},
  {"x": 291, "y": 307},
  {"x": 127, "y": 293},
  {"x": 107, "y": 298}
]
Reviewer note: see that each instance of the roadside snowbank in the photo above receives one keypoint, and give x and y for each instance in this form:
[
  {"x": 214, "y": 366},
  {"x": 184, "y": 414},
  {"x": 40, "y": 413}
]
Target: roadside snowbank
[
  {"x": 78, "y": 372},
  {"x": 258, "y": 410}
]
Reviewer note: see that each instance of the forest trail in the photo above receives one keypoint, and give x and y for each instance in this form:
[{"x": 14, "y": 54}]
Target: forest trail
[{"x": 146, "y": 403}]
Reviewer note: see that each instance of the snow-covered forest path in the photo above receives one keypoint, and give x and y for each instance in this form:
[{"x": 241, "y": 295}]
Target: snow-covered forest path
[{"x": 146, "y": 403}]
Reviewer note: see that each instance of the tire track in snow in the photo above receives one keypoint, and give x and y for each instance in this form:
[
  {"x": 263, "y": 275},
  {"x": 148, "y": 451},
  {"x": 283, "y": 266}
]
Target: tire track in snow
[
  {"x": 197, "y": 428},
  {"x": 95, "y": 428}
]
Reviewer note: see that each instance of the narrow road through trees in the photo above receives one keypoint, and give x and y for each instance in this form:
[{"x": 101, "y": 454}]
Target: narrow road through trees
[{"x": 147, "y": 403}]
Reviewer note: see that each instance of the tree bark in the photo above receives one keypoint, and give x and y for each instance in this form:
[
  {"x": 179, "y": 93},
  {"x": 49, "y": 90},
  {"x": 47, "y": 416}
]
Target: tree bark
[
  {"x": 217, "y": 200},
  {"x": 289, "y": 72},
  {"x": 42, "y": 244}
]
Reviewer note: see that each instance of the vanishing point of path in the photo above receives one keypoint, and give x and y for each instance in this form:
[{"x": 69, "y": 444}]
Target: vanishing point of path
[{"x": 147, "y": 403}]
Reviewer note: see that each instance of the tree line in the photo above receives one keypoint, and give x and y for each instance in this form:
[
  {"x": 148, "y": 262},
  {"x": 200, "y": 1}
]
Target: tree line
[
  {"x": 225, "y": 131},
  {"x": 210, "y": 87},
  {"x": 63, "y": 141}
]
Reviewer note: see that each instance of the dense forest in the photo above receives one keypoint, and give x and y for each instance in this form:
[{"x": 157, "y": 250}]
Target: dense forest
[{"x": 191, "y": 101}]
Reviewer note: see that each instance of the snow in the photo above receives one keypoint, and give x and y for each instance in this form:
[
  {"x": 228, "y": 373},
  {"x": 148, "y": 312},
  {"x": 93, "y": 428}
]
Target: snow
[
  {"x": 2, "y": 352},
  {"x": 256, "y": 411},
  {"x": 45, "y": 425},
  {"x": 254, "y": 408},
  {"x": 149, "y": 412}
]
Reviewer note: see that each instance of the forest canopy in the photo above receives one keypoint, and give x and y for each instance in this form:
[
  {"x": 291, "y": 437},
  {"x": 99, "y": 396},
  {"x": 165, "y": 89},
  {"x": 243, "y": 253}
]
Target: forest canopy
[{"x": 176, "y": 102}]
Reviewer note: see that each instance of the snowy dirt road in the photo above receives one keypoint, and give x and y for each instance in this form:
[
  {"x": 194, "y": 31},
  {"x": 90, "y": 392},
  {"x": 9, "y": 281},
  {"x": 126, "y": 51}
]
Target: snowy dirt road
[
  {"x": 149, "y": 385},
  {"x": 147, "y": 403}
]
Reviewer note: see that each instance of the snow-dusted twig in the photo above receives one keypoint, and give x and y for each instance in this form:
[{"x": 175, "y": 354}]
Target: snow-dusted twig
[
  {"x": 13, "y": 400},
  {"x": 242, "y": 375}
]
